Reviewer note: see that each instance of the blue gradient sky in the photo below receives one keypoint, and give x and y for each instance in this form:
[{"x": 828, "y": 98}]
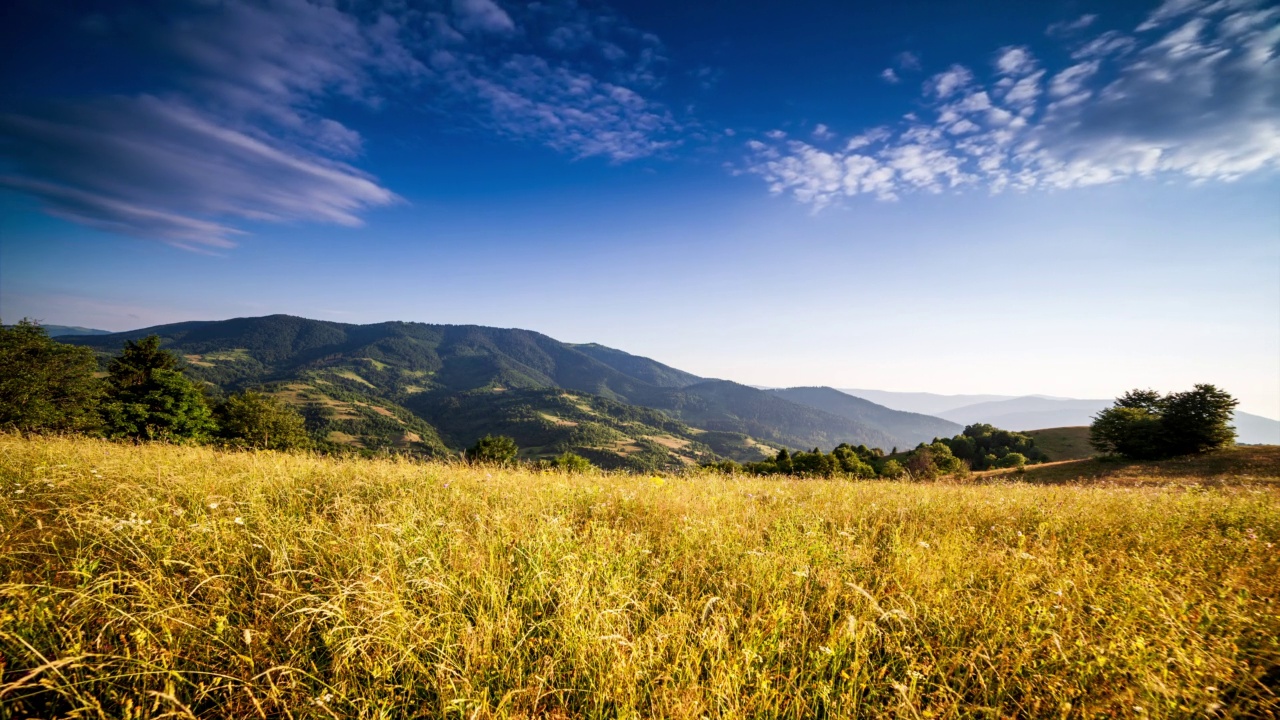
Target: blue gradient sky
[{"x": 1067, "y": 198}]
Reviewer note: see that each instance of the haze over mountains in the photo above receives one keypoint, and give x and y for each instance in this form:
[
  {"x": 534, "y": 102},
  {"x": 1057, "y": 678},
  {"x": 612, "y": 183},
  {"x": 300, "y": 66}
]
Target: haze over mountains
[{"x": 1036, "y": 412}]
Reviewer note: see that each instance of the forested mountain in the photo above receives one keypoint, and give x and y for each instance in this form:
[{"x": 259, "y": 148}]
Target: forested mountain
[
  {"x": 65, "y": 330},
  {"x": 908, "y": 427},
  {"x": 436, "y": 388}
]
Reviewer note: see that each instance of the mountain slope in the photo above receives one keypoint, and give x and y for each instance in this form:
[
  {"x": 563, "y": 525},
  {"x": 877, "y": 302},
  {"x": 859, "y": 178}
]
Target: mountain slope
[
  {"x": 731, "y": 407},
  {"x": 65, "y": 330},
  {"x": 640, "y": 368},
  {"x": 908, "y": 429},
  {"x": 414, "y": 365}
]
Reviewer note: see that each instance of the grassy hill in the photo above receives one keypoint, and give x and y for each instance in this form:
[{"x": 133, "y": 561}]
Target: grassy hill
[
  {"x": 385, "y": 386},
  {"x": 147, "y": 581},
  {"x": 1064, "y": 443},
  {"x": 1244, "y": 464}
]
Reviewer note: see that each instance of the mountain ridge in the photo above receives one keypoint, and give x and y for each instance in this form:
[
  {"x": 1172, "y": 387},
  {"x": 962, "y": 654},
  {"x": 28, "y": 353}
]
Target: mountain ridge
[{"x": 368, "y": 376}]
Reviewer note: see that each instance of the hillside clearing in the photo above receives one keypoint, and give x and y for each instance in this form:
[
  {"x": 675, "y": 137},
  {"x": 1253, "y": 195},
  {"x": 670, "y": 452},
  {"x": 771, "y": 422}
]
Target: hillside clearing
[{"x": 160, "y": 580}]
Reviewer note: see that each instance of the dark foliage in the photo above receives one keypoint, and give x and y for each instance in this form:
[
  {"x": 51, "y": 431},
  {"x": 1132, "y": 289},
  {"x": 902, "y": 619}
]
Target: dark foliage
[
  {"x": 1145, "y": 425},
  {"x": 149, "y": 398},
  {"x": 982, "y": 446},
  {"x": 44, "y": 384},
  {"x": 252, "y": 419},
  {"x": 493, "y": 450}
]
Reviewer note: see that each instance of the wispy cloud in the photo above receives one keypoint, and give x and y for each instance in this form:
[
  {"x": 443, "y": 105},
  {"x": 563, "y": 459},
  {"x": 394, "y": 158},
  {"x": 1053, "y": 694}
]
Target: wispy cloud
[
  {"x": 903, "y": 63},
  {"x": 245, "y": 128},
  {"x": 238, "y": 138},
  {"x": 1192, "y": 92},
  {"x": 575, "y": 80}
]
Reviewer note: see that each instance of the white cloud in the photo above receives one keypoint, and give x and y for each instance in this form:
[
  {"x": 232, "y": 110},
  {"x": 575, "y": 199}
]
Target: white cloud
[
  {"x": 482, "y": 16},
  {"x": 1070, "y": 27},
  {"x": 568, "y": 110},
  {"x": 1195, "y": 94},
  {"x": 572, "y": 80},
  {"x": 241, "y": 130},
  {"x": 948, "y": 82},
  {"x": 890, "y": 76},
  {"x": 243, "y": 142},
  {"x": 1015, "y": 61},
  {"x": 1072, "y": 80},
  {"x": 822, "y": 132}
]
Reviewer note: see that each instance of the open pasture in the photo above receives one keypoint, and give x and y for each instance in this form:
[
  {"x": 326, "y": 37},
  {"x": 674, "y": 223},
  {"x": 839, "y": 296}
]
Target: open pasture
[{"x": 163, "y": 581}]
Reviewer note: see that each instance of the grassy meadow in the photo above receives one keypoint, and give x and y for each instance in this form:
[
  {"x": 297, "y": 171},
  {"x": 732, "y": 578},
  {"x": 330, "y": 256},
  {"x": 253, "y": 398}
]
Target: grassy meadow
[{"x": 160, "y": 581}]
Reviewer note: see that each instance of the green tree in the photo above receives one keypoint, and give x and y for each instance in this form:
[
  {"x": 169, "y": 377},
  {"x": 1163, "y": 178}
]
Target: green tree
[
  {"x": 1133, "y": 432},
  {"x": 929, "y": 461},
  {"x": 493, "y": 449},
  {"x": 252, "y": 419},
  {"x": 45, "y": 384},
  {"x": 892, "y": 469},
  {"x": 1012, "y": 460},
  {"x": 1198, "y": 420},
  {"x": 571, "y": 462},
  {"x": 1144, "y": 425},
  {"x": 150, "y": 399}
]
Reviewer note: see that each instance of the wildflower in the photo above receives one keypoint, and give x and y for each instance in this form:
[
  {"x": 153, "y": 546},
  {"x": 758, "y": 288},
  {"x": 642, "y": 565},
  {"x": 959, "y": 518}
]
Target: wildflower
[
  {"x": 239, "y": 520},
  {"x": 657, "y": 481},
  {"x": 923, "y": 544},
  {"x": 213, "y": 506},
  {"x": 801, "y": 573},
  {"x": 1026, "y": 556}
]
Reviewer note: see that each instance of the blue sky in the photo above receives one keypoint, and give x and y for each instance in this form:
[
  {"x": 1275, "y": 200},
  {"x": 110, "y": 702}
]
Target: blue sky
[{"x": 1071, "y": 198}]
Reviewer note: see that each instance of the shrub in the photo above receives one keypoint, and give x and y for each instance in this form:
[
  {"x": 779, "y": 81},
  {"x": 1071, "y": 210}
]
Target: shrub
[
  {"x": 1012, "y": 460},
  {"x": 493, "y": 449},
  {"x": 570, "y": 462}
]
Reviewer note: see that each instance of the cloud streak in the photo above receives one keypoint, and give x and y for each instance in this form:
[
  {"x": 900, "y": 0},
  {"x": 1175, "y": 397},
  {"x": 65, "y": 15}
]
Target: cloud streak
[
  {"x": 246, "y": 129},
  {"x": 1193, "y": 92},
  {"x": 241, "y": 140}
]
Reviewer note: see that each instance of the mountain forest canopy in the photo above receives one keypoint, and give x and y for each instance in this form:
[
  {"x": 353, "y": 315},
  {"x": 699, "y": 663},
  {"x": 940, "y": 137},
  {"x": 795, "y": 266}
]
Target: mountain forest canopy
[{"x": 437, "y": 389}]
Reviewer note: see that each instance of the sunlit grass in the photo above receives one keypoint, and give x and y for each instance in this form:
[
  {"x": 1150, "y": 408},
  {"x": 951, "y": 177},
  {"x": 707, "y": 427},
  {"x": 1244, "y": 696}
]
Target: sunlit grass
[{"x": 150, "y": 581}]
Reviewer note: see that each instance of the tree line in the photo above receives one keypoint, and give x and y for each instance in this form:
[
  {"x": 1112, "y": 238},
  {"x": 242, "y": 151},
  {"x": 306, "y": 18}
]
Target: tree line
[
  {"x": 979, "y": 447},
  {"x": 48, "y": 386}
]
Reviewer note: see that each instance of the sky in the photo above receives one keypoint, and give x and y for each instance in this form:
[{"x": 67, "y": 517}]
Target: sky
[{"x": 1066, "y": 197}]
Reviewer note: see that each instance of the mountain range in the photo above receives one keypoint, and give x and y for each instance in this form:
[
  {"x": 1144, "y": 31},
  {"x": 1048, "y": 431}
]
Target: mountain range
[{"x": 437, "y": 388}]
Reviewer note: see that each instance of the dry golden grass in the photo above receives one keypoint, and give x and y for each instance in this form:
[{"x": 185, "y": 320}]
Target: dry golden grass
[{"x": 164, "y": 581}]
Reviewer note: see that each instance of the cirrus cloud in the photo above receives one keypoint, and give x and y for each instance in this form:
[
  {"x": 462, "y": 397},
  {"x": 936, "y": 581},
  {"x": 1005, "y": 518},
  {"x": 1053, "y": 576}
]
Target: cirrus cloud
[
  {"x": 1193, "y": 92},
  {"x": 244, "y": 127}
]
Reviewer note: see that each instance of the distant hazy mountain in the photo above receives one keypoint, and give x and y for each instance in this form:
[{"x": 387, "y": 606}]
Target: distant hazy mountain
[
  {"x": 1028, "y": 413},
  {"x": 732, "y": 407},
  {"x": 65, "y": 330},
  {"x": 437, "y": 388},
  {"x": 921, "y": 402},
  {"x": 908, "y": 428},
  {"x": 1034, "y": 413}
]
